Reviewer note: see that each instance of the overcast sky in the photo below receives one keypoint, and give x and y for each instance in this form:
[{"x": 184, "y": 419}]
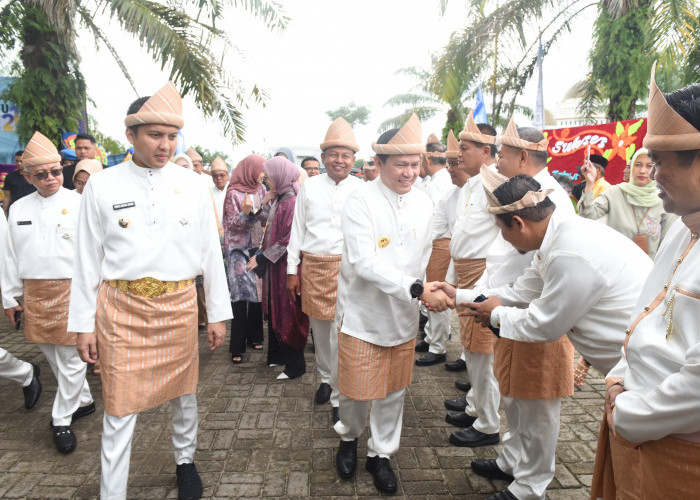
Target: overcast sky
[{"x": 332, "y": 52}]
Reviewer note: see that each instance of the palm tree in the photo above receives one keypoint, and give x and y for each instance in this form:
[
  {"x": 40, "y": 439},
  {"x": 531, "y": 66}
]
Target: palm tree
[{"x": 183, "y": 37}]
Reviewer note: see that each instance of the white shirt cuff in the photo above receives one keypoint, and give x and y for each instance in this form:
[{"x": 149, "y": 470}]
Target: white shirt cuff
[
  {"x": 496, "y": 317},
  {"x": 466, "y": 295}
]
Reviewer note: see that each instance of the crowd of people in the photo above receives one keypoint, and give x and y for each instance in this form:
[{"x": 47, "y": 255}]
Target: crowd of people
[{"x": 121, "y": 267}]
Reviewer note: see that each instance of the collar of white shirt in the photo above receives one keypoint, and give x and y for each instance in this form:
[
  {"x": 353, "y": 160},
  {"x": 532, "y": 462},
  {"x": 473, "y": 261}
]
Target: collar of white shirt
[{"x": 396, "y": 199}]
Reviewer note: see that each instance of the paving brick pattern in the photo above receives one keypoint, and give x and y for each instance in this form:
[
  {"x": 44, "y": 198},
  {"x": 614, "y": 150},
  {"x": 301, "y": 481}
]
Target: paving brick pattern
[{"x": 263, "y": 438}]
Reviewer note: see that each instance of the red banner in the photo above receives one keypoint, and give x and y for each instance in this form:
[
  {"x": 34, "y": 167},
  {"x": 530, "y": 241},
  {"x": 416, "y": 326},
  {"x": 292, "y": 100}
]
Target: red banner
[{"x": 616, "y": 141}]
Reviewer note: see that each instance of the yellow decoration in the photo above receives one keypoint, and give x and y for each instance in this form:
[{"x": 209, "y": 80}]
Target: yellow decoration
[
  {"x": 124, "y": 223},
  {"x": 64, "y": 211},
  {"x": 150, "y": 287},
  {"x": 383, "y": 242}
]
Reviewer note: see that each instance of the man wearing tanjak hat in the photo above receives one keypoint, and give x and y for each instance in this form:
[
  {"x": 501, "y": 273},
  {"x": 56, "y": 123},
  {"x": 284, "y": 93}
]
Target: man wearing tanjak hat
[
  {"x": 220, "y": 176},
  {"x": 652, "y": 403},
  {"x": 542, "y": 306},
  {"x": 473, "y": 234},
  {"x": 38, "y": 262},
  {"x": 437, "y": 329},
  {"x": 316, "y": 235},
  {"x": 146, "y": 229},
  {"x": 387, "y": 239}
]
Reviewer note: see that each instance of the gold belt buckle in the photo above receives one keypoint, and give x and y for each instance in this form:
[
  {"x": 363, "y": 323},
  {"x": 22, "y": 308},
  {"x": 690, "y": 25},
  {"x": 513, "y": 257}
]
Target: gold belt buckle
[{"x": 148, "y": 287}]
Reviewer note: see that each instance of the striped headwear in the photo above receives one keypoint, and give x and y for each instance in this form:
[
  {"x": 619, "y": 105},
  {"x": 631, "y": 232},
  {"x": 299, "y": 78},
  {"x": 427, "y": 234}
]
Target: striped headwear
[
  {"x": 491, "y": 179},
  {"x": 472, "y": 133},
  {"x": 407, "y": 140},
  {"x": 40, "y": 151},
  {"x": 218, "y": 164},
  {"x": 511, "y": 138},
  {"x": 162, "y": 108},
  {"x": 452, "y": 145},
  {"x": 340, "y": 134}
]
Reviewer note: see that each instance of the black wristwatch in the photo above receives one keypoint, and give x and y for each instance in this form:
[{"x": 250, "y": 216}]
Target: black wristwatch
[{"x": 416, "y": 289}]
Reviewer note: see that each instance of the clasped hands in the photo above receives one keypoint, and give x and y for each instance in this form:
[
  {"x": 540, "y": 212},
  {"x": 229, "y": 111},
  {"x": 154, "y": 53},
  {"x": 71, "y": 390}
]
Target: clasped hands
[
  {"x": 480, "y": 310},
  {"x": 435, "y": 299}
]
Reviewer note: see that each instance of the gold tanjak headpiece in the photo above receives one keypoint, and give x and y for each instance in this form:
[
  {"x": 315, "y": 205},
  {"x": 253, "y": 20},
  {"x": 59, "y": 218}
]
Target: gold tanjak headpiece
[
  {"x": 472, "y": 133},
  {"x": 193, "y": 154},
  {"x": 491, "y": 179},
  {"x": 511, "y": 138},
  {"x": 452, "y": 145},
  {"x": 162, "y": 108},
  {"x": 218, "y": 164},
  {"x": 340, "y": 134},
  {"x": 40, "y": 151},
  {"x": 407, "y": 140},
  {"x": 666, "y": 129}
]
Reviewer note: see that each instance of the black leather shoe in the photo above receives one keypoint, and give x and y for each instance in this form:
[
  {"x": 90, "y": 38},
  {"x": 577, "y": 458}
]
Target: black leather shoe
[
  {"x": 422, "y": 320},
  {"x": 422, "y": 346},
  {"x": 456, "y": 366},
  {"x": 460, "y": 419},
  {"x": 189, "y": 484},
  {"x": 384, "y": 477},
  {"x": 472, "y": 438},
  {"x": 33, "y": 390},
  {"x": 336, "y": 415},
  {"x": 502, "y": 495},
  {"x": 323, "y": 394},
  {"x": 346, "y": 459},
  {"x": 490, "y": 470},
  {"x": 463, "y": 385},
  {"x": 83, "y": 411},
  {"x": 456, "y": 404},
  {"x": 430, "y": 358},
  {"x": 64, "y": 439}
]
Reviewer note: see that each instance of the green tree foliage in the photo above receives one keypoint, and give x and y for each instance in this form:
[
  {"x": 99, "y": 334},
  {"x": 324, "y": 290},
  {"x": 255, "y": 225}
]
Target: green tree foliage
[
  {"x": 49, "y": 90},
  {"x": 209, "y": 156},
  {"x": 353, "y": 114}
]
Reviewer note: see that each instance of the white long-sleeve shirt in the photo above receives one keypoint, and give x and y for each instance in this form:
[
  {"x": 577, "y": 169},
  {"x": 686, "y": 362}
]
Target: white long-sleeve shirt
[
  {"x": 387, "y": 242},
  {"x": 40, "y": 242},
  {"x": 440, "y": 184},
  {"x": 445, "y": 214},
  {"x": 219, "y": 197},
  {"x": 317, "y": 214},
  {"x": 661, "y": 371},
  {"x": 146, "y": 222},
  {"x": 584, "y": 280}
]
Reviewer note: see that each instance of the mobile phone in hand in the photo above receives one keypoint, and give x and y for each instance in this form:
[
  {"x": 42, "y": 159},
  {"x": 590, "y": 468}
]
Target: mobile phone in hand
[
  {"x": 496, "y": 331},
  {"x": 18, "y": 320}
]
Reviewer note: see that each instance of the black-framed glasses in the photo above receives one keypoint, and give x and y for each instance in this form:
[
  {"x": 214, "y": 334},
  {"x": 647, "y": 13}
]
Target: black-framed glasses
[{"x": 42, "y": 176}]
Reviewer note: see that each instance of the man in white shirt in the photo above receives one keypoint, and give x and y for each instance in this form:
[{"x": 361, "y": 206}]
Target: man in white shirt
[
  {"x": 651, "y": 436},
  {"x": 146, "y": 229},
  {"x": 316, "y": 235},
  {"x": 384, "y": 260},
  {"x": 220, "y": 176},
  {"x": 369, "y": 171},
  {"x": 437, "y": 329},
  {"x": 38, "y": 262},
  {"x": 571, "y": 287}
]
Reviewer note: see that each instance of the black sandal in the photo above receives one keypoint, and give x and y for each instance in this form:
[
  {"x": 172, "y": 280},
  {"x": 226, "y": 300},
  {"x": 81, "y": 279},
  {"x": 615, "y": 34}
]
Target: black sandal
[
  {"x": 257, "y": 347},
  {"x": 236, "y": 359}
]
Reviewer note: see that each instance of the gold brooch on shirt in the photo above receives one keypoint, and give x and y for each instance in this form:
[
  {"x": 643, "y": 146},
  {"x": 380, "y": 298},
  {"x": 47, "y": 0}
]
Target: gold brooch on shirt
[
  {"x": 124, "y": 223},
  {"x": 383, "y": 242},
  {"x": 64, "y": 211}
]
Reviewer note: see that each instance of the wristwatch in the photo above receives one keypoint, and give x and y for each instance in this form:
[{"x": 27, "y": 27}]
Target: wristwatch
[{"x": 416, "y": 289}]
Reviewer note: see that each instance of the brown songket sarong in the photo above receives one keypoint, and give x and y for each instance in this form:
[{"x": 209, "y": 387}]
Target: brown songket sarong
[
  {"x": 148, "y": 348},
  {"x": 439, "y": 260},
  {"x": 368, "y": 371},
  {"x": 46, "y": 312},
  {"x": 319, "y": 285},
  {"x": 475, "y": 337}
]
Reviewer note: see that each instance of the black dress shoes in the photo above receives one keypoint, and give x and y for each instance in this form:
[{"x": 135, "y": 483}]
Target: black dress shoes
[
  {"x": 430, "y": 358},
  {"x": 456, "y": 366},
  {"x": 460, "y": 419},
  {"x": 490, "y": 470},
  {"x": 336, "y": 415},
  {"x": 384, "y": 477},
  {"x": 502, "y": 495},
  {"x": 64, "y": 439},
  {"x": 323, "y": 394},
  {"x": 33, "y": 390},
  {"x": 189, "y": 484},
  {"x": 463, "y": 385},
  {"x": 472, "y": 438},
  {"x": 422, "y": 346},
  {"x": 83, "y": 411},
  {"x": 456, "y": 404},
  {"x": 346, "y": 459}
]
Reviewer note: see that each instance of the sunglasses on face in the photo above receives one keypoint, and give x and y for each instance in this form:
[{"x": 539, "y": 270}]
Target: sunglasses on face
[{"x": 42, "y": 176}]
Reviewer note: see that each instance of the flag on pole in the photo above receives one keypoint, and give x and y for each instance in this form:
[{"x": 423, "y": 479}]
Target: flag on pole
[
  {"x": 480, "y": 107},
  {"x": 538, "y": 122}
]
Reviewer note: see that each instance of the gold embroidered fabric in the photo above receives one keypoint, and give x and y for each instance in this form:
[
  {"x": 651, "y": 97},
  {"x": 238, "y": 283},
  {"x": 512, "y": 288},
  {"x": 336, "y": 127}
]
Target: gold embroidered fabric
[{"x": 150, "y": 287}]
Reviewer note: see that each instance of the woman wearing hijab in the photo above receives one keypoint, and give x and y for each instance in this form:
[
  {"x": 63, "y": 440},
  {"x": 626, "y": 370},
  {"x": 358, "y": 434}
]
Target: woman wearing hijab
[
  {"x": 634, "y": 207},
  {"x": 288, "y": 326},
  {"x": 183, "y": 161},
  {"x": 242, "y": 235},
  {"x": 83, "y": 170}
]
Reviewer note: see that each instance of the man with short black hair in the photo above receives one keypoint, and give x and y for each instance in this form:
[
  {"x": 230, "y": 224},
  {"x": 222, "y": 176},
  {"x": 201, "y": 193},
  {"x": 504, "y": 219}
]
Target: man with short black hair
[
  {"x": 85, "y": 147},
  {"x": 16, "y": 185},
  {"x": 593, "y": 172},
  {"x": 311, "y": 165}
]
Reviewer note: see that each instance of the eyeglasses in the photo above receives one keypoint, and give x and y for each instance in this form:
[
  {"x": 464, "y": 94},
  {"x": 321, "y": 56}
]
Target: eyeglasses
[
  {"x": 218, "y": 176},
  {"x": 42, "y": 176}
]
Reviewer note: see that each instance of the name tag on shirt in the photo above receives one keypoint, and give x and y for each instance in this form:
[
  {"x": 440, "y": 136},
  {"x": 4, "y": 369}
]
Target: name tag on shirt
[
  {"x": 24, "y": 223},
  {"x": 121, "y": 206}
]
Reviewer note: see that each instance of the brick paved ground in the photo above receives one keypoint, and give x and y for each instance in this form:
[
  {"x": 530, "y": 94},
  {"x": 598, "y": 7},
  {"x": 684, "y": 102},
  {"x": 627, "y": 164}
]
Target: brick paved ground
[{"x": 260, "y": 437}]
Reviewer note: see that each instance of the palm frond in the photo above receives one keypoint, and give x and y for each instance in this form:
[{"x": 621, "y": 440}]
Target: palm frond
[
  {"x": 423, "y": 112},
  {"x": 675, "y": 28}
]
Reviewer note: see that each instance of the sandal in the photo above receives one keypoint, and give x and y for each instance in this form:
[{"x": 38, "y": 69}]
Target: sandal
[
  {"x": 236, "y": 359},
  {"x": 257, "y": 347}
]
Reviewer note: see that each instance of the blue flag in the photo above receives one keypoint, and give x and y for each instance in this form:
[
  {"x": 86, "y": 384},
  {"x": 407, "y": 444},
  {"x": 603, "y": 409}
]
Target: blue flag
[{"x": 480, "y": 107}]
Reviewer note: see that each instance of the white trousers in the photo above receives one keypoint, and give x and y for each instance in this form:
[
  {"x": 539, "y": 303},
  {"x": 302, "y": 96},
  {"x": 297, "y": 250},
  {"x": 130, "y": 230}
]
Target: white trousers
[
  {"x": 385, "y": 421},
  {"x": 326, "y": 347},
  {"x": 15, "y": 369},
  {"x": 484, "y": 397},
  {"x": 116, "y": 444},
  {"x": 73, "y": 390},
  {"x": 437, "y": 331},
  {"x": 530, "y": 444}
]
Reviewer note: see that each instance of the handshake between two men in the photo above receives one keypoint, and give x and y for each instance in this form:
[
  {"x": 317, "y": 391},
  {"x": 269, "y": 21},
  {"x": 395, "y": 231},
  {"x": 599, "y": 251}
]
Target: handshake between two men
[{"x": 439, "y": 296}]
